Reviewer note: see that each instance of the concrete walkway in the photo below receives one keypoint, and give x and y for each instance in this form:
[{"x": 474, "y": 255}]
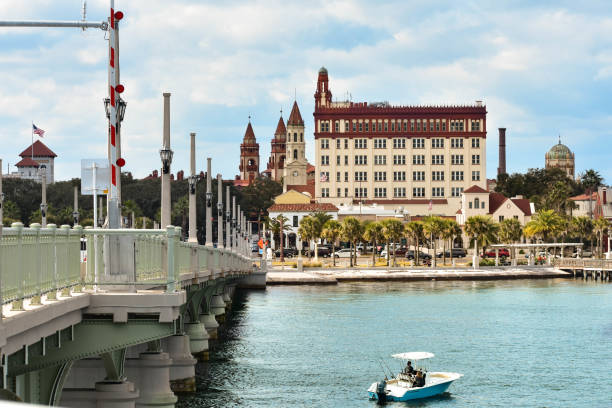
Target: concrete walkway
[{"x": 326, "y": 276}]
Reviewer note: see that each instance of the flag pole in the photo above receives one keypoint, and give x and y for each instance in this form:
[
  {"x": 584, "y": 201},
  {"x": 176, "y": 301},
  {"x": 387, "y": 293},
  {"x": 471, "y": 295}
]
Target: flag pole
[{"x": 32, "y": 133}]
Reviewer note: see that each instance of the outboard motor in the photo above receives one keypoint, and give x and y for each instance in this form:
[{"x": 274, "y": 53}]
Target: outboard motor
[{"x": 381, "y": 394}]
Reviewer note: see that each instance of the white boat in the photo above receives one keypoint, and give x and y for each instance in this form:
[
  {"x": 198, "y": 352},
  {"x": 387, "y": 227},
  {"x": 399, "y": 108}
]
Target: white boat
[{"x": 406, "y": 387}]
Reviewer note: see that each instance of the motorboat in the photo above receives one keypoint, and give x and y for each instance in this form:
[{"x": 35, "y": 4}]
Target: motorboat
[{"x": 419, "y": 384}]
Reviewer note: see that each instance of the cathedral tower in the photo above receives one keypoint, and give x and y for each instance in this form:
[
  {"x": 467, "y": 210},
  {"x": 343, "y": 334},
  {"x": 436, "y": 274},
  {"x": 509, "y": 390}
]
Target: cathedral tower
[
  {"x": 276, "y": 163},
  {"x": 323, "y": 95},
  {"x": 295, "y": 162},
  {"x": 249, "y": 155}
]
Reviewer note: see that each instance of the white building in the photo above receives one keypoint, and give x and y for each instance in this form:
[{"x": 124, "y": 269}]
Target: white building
[{"x": 36, "y": 159}]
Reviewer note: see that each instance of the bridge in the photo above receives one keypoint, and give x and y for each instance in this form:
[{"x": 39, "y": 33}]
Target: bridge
[
  {"x": 120, "y": 325},
  {"x": 585, "y": 267}
]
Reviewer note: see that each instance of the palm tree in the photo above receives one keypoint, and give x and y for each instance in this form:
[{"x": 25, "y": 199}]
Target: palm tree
[
  {"x": 482, "y": 230},
  {"x": 545, "y": 224},
  {"x": 180, "y": 209},
  {"x": 582, "y": 227},
  {"x": 393, "y": 230},
  {"x": 319, "y": 219},
  {"x": 332, "y": 230},
  {"x": 600, "y": 227},
  {"x": 433, "y": 227},
  {"x": 352, "y": 230},
  {"x": 415, "y": 231},
  {"x": 374, "y": 234},
  {"x": 306, "y": 231},
  {"x": 590, "y": 181},
  {"x": 278, "y": 225},
  {"x": 450, "y": 231},
  {"x": 510, "y": 230}
]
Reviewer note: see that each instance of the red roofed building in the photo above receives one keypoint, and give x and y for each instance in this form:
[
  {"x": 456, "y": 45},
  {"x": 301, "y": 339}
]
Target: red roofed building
[
  {"x": 276, "y": 163},
  {"x": 36, "y": 159},
  {"x": 478, "y": 201},
  {"x": 249, "y": 156}
]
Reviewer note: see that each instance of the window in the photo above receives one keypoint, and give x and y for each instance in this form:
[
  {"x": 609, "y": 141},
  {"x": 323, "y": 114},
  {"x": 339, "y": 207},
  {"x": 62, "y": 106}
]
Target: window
[
  {"x": 418, "y": 192},
  {"x": 361, "y": 126},
  {"x": 475, "y": 159},
  {"x": 456, "y": 143},
  {"x": 324, "y": 143},
  {"x": 437, "y": 192},
  {"x": 324, "y": 176},
  {"x": 515, "y": 217},
  {"x": 456, "y": 176},
  {"x": 405, "y": 126},
  {"x": 337, "y": 129},
  {"x": 380, "y": 160},
  {"x": 437, "y": 176},
  {"x": 295, "y": 155},
  {"x": 437, "y": 125},
  {"x": 361, "y": 159},
  {"x": 399, "y": 192},
  {"x": 456, "y": 159},
  {"x": 399, "y": 176},
  {"x": 456, "y": 191},
  {"x": 339, "y": 192},
  {"x": 361, "y": 176},
  {"x": 476, "y": 202},
  {"x": 456, "y": 125},
  {"x": 501, "y": 218},
  {"x": 354, "y": 126},
  {"x": 380, "y": 126},
  {"x": 418, "y": 159},
  {"x": 393, "y": 126},
  {"x": 380, "y": 176},
  {"x": 437, "y": 143},
  {"x": 324, "y": 126},
  {"x": 386, "y": 126},
  {"x": 346, "y": 126},
  {"x": 475, "y": 143},
  {"x": 470, "y": 204},
  {"x": 418, "y": 125},
  {"x": 399, "y": 143},
  {"x": 399, "y": 159},
  {"x": 361, "y": 143},
  {"x": 346, "y": 191},
  {"x": 295, "y": 221},
  {"x": 361, "y": 192},
  {"x": 444, "y": 125},
  {"x": 338, "y": 143},
  {"x": 482, "y": 204},
  {"x": 346, "y": 160},
  {"x": 418, "y": 143},
  {"x": 412, "y": 125},
  {"x": 325, "y": 192},
  {"x": 380, "y": 143},
  {"x": 475, "y": 125},
  {"x": 437, "y": 159},
  {"x": 338, "y": 160},
  {"x": 367, "y": 126},
  {"x": 380, "y": 192},
  {"x": 346, "y": 143},
  {"x": 476, "y": 175},
  {"x": 431, "y": 125},
  {"x": 346, "y": 176},
  {"x": 418, "y": 176},
  {"x": 324, "y": 160},
  {"x": 338, "y": 176}
]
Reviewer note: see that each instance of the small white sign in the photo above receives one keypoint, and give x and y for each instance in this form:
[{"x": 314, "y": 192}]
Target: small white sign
[{"x": 102, "y": 179}]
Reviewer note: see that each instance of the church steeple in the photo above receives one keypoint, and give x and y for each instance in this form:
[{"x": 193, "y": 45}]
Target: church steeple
[
  {"x": 323, "y": 95},
  {"x": 296, "y": 164},
  {"x": 249, "y": 155}
]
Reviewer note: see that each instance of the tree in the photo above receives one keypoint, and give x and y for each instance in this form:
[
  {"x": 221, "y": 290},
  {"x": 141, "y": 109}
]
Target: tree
[
  {"x": 590, "y": 181},
  {"x": 278, "y": 225},
  {"x": 582, "y": 227},
  {"x": 319, "y": 219},
  {"x": 510, "y": 230},
  {"x": 374, "y": 233},
  {"x": 352, "y": 230},
  {"x": 415, "y": 231},
  {"x": 433, "y": 227},
  {"x": 332, "y": 230},
  {"x": 545, "y": 224},
  {"x": 393, "y": 230},
  {"x": 600, "y": 227},
  {"x": 482, "y": 230},
  {"x": 450, "y": 230},
  {"x": 180, "y": 210},
  {"x": 11, "y": 211},
  {"x": 306, "y": 231}
]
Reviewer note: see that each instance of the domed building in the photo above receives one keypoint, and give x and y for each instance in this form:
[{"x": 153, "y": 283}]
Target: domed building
[{"x": 562, "y": 157}]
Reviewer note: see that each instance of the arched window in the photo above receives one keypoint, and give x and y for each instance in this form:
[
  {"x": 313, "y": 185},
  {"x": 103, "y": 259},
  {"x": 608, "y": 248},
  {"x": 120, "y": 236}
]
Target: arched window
[
  {"x": 476, "y": 203},
  {"x": 295, "y": 137},
  {"x": 295, "y": 156},
  {"x": 301, "y": 137}
]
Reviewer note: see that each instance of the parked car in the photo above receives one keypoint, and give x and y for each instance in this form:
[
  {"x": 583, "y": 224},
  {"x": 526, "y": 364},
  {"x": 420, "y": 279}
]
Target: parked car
[
  {"x": 366, "y": 248},
  {"x": 410, "y": 254},
  {"x": 457, "y": 253},
  {"x": 346, "y": 253},
  {"x": 503, "y": 252},
  {"x": 287, "y": 252},
  {"x": 398, "y": 252},
  {"x": 322, "y": 251}
]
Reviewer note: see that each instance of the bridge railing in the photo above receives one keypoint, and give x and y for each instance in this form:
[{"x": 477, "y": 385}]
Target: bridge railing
[
  {"x": 39, "y": 261},
  {"x": 581, "y": 263}
]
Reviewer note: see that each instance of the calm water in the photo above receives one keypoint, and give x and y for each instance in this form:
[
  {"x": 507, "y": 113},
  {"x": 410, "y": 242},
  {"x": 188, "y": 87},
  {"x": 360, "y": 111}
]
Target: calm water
[{"x": 519, "y": 344}]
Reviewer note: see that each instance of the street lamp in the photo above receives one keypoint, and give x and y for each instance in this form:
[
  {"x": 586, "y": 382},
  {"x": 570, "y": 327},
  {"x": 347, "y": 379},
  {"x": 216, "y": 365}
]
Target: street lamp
[
  {"x": 1, "y": 200},
  {"x": 43, "y": 210},
  {"x": 166, "y": 158},
  {"x": 75, "y": 217},
  {"x": 120, "y": 108},
  {"x": 193, "y": 179},
  {"x": 209, "y": 199}
]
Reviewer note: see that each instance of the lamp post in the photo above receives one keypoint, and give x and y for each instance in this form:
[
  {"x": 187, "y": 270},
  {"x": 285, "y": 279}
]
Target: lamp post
[
  {"x": 166, "y": 158},
  {"x": 209, "y": 197},
  {"x": 75, "y": 213},
  {"x": 234, "y": 225},
  {"x": 219, "y": 212},
  {"x": 193, "y": 179},
  {"x": 1, "y": 200},
  {"x": 228, "y": 214},
  {"x": 238, "y": 229}
]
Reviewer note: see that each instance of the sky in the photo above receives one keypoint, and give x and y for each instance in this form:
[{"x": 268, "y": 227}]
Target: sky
[{"x": 543, "y": 69}]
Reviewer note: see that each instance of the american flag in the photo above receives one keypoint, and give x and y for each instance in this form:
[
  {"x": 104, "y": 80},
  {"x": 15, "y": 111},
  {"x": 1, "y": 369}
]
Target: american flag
[
  {"x": 430, "y": 205},
  {"x": 323, "y": 177},
  {"x": 37, "y": 131}
]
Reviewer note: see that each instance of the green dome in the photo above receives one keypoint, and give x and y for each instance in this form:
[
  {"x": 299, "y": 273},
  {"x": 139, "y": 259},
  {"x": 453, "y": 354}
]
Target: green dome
[
  {"x": 323, "y": 70},
  {"x": 559, "y": 151}
]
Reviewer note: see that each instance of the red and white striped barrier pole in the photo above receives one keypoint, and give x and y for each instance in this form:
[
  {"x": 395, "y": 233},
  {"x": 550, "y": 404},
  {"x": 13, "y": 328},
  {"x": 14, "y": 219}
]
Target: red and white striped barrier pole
[{"x": 114, "y": 89}]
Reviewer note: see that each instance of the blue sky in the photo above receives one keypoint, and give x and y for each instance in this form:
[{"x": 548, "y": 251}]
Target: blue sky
[{"x": 542, "y": 68}]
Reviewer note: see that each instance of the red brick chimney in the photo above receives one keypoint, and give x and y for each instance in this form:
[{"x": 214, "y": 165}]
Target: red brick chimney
[{"x": 502, "y": 151}]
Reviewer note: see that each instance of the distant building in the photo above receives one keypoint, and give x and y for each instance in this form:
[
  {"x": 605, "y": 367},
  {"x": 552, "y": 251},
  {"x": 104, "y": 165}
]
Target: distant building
[
  {"x": 561, "y": 156},
  {"x": 296, "y": 165},
  {"x": 249, "y": 157},
  {"x": 478, "y": 201},
  {"x": 36, "y": 160},
  {"x": 596, "y": 206},
  {"x": 276, "y": 162}
]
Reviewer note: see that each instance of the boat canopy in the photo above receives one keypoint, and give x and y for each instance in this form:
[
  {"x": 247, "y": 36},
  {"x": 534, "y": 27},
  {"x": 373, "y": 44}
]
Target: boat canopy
[{"x": 413, "y": 355}]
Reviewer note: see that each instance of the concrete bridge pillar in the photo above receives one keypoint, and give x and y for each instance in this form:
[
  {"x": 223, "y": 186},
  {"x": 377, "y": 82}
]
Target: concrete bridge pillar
[
  {"x": 182, "y": 370},
  {"x": 198, "y": 339},
  {"x": 210, "y": 323},
  {"x": 151, "y": 374},
  {"x": 217, "y": 307},
  {"x": 121, "y": 394}
]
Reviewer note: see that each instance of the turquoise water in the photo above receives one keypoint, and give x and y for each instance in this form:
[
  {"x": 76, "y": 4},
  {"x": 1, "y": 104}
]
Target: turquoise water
[{"x": 541, "y": 343}]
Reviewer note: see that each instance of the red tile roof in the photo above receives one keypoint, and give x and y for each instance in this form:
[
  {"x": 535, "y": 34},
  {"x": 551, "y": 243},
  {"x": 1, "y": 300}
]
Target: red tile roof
[
  {"x": 295, "y": 118},
  {"x": 281, "y": 130},
  {"x": 407, "y": 201},
  {"x": 495, "y": 201},
  {"x": 241, "y": 183},
  {"x": 27, "y": 162},
  {"x": 475, "y": 189},
  {"x": 303, "y": 207},
  {"x": 40, "y": 150},
  {"x": 304, "y": 188},
  {"x": 249, "y": 135},
  {"x": 523, "y": 204},
  {"x": 310, "y": 168},
  {"x": 584, "y": 197}
]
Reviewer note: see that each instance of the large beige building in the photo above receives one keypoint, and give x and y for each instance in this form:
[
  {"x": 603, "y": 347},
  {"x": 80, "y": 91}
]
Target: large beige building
[{"x": 420, "y": 158}]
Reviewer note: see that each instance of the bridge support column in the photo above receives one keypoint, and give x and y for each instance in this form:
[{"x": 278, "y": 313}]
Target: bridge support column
[
  {"x": 211, "y": 324},
  {"x": 151, "y": 374},
  {"x": 122, "y": 394},
  {"x": 198, "y": 339},
  {"x": 217, "y": 307},
  {"x": 182, "y": 370}
]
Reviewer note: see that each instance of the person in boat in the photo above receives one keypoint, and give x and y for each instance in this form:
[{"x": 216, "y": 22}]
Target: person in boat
[
  {"x": 419, "y": 379},
  {"x": 409, "y": 369}
]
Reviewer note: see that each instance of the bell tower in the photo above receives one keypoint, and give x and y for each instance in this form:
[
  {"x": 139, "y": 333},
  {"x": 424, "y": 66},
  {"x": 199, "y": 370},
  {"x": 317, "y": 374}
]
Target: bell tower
[
  {"x": 323, "y": 95},
  {"x": 295, "y": 159},
  {"x": 249, "y": 155}
]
